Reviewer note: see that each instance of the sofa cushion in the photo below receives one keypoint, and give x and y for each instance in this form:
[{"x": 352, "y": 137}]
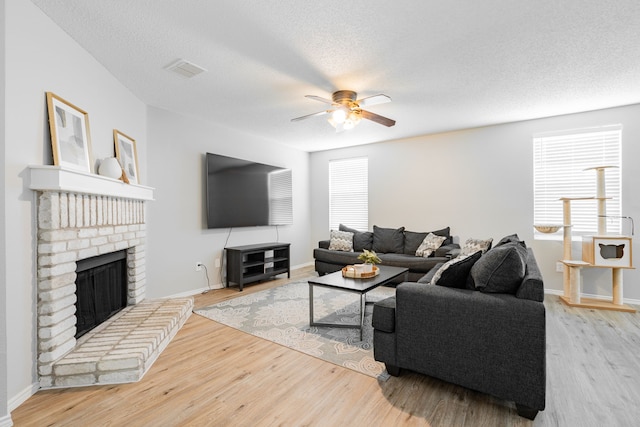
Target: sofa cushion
[
  {"x": 361, "y": 239},
  {"x": 429, "y": 245},
  {"x": 384, "y": 315},
  {"x": 412, "y": 239},
  {"x": 388, "y": 240},
  {"x": 472, "y": 246},
  {"x": 341, "y": 241},
  {"x": 501, "y": 269},
  {"x": 454, "y": 273}
]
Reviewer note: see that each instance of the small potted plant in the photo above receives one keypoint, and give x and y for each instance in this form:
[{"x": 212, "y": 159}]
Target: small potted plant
[{"x": 370, "y": 258}]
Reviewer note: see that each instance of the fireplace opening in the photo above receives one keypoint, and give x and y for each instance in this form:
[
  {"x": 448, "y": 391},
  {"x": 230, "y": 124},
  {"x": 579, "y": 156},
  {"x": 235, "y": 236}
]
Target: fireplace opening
[{"x": 101, "y": 289}]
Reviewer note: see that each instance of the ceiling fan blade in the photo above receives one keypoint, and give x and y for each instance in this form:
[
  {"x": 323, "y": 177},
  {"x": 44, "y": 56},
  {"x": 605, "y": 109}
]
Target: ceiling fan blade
[
  {"x": 377, "y": 118},
  {"x": 373, "y": 100},
  {"x": 319, "y": 98},
  {"x": 319, "y": 113}
]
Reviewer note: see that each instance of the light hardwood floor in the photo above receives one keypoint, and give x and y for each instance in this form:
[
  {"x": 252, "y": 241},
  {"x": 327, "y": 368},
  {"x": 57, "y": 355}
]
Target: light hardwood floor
[{"x": 213, "y": 375}]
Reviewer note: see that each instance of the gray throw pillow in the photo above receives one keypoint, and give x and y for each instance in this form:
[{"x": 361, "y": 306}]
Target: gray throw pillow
[
  {"x": 510, "y": 238},
  {"x": 501, "y": 269},
  {"x": 388, "y": 240},
  {"x": 361, "y": 239}
]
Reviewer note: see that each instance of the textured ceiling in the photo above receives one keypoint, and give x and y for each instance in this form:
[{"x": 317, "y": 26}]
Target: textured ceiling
[{"x": 447, "y": 65}]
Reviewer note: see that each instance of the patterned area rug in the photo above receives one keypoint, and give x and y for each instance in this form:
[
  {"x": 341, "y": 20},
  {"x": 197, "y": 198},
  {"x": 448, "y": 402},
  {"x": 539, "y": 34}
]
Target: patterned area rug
[{"x": 281, "y": 315}]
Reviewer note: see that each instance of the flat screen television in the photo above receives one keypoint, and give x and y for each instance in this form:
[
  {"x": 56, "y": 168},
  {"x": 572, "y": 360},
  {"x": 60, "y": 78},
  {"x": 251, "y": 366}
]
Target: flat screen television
[{"x": 242, "y": 193}]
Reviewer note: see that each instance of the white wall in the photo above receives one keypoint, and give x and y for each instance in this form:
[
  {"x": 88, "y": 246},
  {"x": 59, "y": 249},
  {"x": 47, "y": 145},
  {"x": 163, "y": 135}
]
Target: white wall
[
  {"x": 41, "y": 57},
  {"x": 4, "y": 412},
  {"x": 479, "y": 182},
  {"x": 177, "y": 233}
]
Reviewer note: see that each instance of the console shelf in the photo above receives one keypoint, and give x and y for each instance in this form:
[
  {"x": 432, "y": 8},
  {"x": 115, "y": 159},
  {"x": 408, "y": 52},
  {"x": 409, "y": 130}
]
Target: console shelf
[{"x": 253, "y": 263}]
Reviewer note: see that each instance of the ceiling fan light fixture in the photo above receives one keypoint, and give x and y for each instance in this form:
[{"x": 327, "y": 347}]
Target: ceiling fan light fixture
[
  {"x": 346, "y": 111},
  {"x": 352, "y": 119},
  {"x": 339, "y": 116}
]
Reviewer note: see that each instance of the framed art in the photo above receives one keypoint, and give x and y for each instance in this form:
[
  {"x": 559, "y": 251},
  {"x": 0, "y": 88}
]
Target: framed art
[
  {"x": 127, "y": 155},
  {"x": 70, "y": 137}
]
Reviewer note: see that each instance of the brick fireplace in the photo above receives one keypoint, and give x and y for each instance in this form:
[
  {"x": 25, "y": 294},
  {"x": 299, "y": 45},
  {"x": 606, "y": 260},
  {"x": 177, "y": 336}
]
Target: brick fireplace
[{"x": 80, "y": 216}]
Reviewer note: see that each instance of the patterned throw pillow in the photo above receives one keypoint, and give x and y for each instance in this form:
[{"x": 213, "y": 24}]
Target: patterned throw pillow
[
  {"x": 429, "y": 245},
  {"x": 472, "y": 246},
  {"x": 341, "y": 241},
  {"x": 454, "y": 273}
]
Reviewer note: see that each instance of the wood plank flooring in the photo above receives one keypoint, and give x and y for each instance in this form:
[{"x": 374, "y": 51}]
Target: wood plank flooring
[{"x": 213, "y": 375}]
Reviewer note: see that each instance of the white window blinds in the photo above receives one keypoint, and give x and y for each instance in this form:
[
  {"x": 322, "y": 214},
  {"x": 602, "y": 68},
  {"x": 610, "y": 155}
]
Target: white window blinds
[
  {"x": 280, "y": 198},
  {"x": 560, "y": 160},
  {"x": 349, "y": 193}
]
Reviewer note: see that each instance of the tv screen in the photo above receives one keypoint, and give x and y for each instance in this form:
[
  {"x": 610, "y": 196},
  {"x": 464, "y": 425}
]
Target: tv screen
[{"x": 242, "y": 193}]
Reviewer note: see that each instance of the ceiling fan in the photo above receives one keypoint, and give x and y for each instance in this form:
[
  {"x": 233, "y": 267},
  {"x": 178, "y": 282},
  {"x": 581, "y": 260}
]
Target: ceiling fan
[{"x": 346, "y": 112}]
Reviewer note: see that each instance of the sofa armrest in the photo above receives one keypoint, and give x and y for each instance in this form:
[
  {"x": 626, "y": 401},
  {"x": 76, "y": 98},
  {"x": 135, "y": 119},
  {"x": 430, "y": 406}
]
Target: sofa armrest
[
  {"x": 532, "y": 286},
  {"x": 494, "y": 343},
  {"x": 324, "y": 244},
  {"x": 448, "y": 251}
]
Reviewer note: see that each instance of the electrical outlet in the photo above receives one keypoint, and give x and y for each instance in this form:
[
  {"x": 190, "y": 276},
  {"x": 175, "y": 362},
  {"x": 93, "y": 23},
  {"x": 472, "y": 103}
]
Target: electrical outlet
[
  {"x": 559, "y": 267},
  {"x": 217, "y": 262},
  {"x": 198, "y": 266}
]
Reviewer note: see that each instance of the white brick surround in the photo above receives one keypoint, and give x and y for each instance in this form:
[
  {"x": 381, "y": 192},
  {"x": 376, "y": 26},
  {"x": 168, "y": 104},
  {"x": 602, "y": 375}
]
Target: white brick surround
[
  {"x": 81, "y": 216},
  {"x": 73, "y": 227}
]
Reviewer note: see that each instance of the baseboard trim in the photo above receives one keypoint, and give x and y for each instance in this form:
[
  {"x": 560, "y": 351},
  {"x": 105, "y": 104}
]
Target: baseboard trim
[
  {"x": 193, "y": 292},
  {"x": 22, "y": 397},
  {"x": 6, "y": 421},
  {"x": 631, "y": 301}
]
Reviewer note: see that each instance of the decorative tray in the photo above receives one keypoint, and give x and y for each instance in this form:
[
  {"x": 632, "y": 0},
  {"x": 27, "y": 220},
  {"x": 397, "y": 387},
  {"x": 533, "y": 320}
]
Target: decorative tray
[{"x": 355, "y": 273}]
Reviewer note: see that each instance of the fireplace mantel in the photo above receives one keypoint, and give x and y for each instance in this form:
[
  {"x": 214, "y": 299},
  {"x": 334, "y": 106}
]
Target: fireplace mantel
[{"x": 55, "y": 178}]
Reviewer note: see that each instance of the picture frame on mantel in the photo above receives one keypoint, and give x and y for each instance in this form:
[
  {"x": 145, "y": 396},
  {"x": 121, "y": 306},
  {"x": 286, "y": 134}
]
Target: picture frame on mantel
[
  {"x": 127, "y": 154},
  {"x": 70, "y": 136}
]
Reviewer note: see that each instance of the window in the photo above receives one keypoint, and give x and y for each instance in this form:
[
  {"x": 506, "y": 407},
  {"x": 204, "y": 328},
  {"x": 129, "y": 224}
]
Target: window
[
  {"x": 559, "y": 163},
  {"x": 280, "y": 197},
  {"x": 349, "y": 193}
]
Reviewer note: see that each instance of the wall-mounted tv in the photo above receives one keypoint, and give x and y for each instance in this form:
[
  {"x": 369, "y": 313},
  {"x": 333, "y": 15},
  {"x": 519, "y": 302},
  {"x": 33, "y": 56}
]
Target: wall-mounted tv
[{"x": 242, "y": 193}]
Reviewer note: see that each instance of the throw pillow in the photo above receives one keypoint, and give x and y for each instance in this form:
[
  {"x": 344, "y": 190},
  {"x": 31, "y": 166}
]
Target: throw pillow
[
  {"x": 361, "y": 239},
  {"x": 412, "y": 239},
  {"x": 454, "y": 273},
  {"x": 426, "y": 279},
  {"x": 341, "y": 241},
  {"x": 429, "y": 245},
  {"x": 388, "y": 240},
  {"x": 472, "y": 246},
  {"x": 510, "y": 238},
  {"x": 501, "y": 269}
]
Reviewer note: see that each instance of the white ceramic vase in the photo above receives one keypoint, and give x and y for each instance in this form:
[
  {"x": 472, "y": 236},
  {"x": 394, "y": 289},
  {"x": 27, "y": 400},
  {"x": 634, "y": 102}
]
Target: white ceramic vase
[{"x": 110, "y": 167}]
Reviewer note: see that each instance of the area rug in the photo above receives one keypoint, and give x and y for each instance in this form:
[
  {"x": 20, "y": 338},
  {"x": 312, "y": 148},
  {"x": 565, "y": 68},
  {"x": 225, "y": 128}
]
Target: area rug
[{"x": 281, "y": 315}]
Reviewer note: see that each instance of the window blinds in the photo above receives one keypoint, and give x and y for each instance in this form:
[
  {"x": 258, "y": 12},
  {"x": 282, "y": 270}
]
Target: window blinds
[
  {"x": 349, "y": 193},
  {"x": 560, "y": 160},
  {"x": 280, "y": 197}
]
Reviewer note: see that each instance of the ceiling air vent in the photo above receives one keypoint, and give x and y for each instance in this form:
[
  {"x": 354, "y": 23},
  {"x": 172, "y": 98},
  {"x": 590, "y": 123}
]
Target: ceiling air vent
[{"x": 185, "y": 68}]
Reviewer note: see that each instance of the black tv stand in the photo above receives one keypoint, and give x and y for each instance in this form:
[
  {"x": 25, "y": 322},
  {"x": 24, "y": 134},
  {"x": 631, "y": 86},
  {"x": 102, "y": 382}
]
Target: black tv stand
[{"x": 253, "y": 263}]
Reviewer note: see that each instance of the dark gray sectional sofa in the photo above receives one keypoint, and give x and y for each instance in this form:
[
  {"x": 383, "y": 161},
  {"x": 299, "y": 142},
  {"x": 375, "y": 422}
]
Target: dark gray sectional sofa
[
  {"x": 492, "y": 340},
  {"x": 395, "y": 247}
]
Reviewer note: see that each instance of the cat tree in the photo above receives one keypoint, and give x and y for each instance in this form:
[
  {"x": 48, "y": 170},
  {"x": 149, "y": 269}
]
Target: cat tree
[{"x": 600, "y": 251}]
